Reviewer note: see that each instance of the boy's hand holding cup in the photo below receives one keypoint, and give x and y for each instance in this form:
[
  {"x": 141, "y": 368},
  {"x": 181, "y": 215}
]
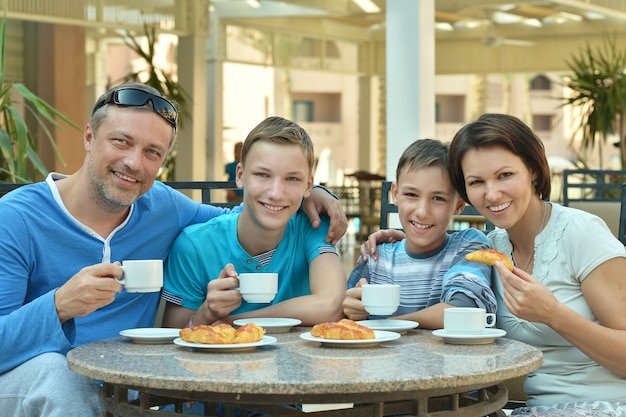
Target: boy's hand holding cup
[
  {"x": 380, "y": 299},
  {"x": 258, "y": 287}
]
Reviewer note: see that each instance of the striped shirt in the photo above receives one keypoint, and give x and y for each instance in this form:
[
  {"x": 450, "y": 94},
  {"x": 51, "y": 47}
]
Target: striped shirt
[{"x": 426, "y": 279}]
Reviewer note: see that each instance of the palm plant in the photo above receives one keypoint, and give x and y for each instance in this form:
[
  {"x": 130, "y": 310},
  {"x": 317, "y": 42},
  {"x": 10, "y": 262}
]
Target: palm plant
[
  {"x": 19, "y": 161},
  {"x": 598, "y": 83}
]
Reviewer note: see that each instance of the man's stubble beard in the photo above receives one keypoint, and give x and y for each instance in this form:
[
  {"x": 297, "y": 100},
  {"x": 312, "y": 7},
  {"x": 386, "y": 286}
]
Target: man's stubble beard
[{"x": 104, "y": 193}]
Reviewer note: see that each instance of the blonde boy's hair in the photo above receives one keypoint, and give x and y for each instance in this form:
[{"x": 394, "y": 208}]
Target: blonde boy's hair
[
  {"x": 281, "y": 131},
  {"x": 423, "y": 153}
]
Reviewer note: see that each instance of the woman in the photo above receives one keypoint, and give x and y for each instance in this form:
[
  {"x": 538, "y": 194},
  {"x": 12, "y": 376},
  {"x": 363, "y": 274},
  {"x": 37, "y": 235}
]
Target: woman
[{"x": 567, "y": 294}]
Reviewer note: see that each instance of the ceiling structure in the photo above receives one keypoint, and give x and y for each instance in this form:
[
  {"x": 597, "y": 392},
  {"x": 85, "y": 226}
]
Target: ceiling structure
[{"x": 471, "y": 36}]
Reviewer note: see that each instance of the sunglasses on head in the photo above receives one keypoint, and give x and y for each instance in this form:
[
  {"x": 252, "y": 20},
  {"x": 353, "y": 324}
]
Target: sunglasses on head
[{"x": 128, "y": 96}]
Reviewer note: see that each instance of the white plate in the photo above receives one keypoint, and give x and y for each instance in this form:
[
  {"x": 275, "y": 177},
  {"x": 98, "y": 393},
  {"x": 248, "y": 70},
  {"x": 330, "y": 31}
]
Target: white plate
[
  {"x": 483, "y": 338},
  {"x": 381, "y": 336},
  {"x": 236, "y": 347},
  {"x": 271, "y": 324},
  {"x": 151, "y": 335},
  {"x": 398, "y": 326}
]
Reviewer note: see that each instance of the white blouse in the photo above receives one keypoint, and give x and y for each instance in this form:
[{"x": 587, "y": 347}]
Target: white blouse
[{"x": 571, "y": 245}]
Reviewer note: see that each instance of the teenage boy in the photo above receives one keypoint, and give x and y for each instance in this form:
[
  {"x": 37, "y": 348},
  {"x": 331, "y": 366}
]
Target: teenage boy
[
  {"x": 429, "y": 262},
  {"x": 269, "y": 235}
]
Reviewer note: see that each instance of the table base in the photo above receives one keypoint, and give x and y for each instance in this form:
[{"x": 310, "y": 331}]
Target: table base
[{"x": 482, "y": 402}]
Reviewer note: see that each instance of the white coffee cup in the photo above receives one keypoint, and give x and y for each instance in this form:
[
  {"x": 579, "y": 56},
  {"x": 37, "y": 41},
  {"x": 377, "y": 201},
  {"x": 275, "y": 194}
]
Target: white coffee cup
[
  {"x": 380, "y": 299},
  {"x": 144, "y": 275},
  {"x": 258, "y": 287},
  {"x": 467, "y": 320}
]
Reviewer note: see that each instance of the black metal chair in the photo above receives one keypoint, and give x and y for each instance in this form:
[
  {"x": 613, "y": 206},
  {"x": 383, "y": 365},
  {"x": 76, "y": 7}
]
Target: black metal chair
[
  {"x": 469, "y": 213},
  {"x": 387, "y": 207},
  {"x": 598, "y": 192},
  {"x": 204, "y": 186},
  {"x": 5, "y": 187},
  {"x": 591, "y": 185}
]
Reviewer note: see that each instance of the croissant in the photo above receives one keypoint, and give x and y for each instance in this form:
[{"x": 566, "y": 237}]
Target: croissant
[
  {"x": 222, "y": 334},
  {"x": 342, "y": 330},
  {"x": 249, "y": 333},
  {"x": 489, "y": 257}
]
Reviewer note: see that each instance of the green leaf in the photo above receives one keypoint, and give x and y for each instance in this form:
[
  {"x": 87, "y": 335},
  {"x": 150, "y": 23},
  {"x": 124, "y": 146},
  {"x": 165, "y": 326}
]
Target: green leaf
[
  {"x": 21, "y": 131},
  {"x": 21, "y": 141},
  {"x": 15, "y": 177},
  {"x": 43, "y": 107},
  {"x": 6, "y": 147},
  {"x": 48, "y": 134},
  {"x": 2, "y": 41},
  {"x": 34, "y": 159}
]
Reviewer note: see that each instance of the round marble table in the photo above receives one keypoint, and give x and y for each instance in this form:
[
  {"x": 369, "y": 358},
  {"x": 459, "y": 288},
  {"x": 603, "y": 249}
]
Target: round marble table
[{"x": 403, "y": 375}]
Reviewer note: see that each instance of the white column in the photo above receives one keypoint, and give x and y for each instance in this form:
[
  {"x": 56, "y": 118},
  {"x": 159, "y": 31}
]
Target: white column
[
  {"x": 410, "y": 71},
  {"x": 518, "y": 97},
  {"x": 364, "y": 159},
  {"x": 215, "y": 101}
]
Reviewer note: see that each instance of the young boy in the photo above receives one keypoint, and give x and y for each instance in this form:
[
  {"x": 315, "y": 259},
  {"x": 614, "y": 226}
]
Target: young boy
[
  {"x": 429, "y": 263},
  {"x": 269, "y": 235}
]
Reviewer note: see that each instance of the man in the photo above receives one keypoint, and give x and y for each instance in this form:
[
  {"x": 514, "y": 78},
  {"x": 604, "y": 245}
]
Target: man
[
  {"x": 62, "y": 240},
  {"x": 230, "y": 169}
]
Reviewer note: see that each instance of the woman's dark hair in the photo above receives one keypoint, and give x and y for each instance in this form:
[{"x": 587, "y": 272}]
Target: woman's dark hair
[{"x": 508, "y": 132}]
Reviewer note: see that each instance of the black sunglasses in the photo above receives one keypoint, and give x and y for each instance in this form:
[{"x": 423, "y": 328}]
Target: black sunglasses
[{"x": 128, "y": 96}]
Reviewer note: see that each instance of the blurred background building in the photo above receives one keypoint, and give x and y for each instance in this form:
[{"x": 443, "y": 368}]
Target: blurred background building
[{"x": 331, "y": 65}]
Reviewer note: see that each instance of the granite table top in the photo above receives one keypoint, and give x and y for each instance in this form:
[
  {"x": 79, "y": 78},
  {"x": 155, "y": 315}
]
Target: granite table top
[{"x": 295, "y": 369}]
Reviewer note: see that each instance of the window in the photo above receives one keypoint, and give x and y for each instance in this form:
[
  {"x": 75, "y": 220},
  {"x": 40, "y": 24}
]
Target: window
[
  {"x": 540, "y": 82},
  {"x": 302, "y": 111},
  {"x": 542, "y": 122},
  {"x": 449, "y": 108}
]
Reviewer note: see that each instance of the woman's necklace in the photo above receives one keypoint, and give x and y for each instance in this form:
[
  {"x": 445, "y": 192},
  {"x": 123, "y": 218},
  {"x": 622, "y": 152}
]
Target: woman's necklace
[{"x": 541, "y": 226}]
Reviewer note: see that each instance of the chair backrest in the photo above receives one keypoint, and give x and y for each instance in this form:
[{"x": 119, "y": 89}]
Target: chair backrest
[
  {"x": 5, "y": 187},
  {"x": 596, "y": 191},
  {"x": 621, "y": 234},
  {"x": 587, "y": 185},
  {"x": 204, "y": 186},
  {"x": 469, "y": 215},
  {"x": 387, "y": 207}
]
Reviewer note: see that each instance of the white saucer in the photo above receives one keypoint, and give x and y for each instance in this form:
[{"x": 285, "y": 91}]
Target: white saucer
[
  {"x": 151, "y": 335},
  {"x": 381, "y": 336},
  {"x": 270, "y": 324},
  {"x": 235, "y": 347},
  {"x": 398, "y": 326},
  {"x": 483, "y": 338}
]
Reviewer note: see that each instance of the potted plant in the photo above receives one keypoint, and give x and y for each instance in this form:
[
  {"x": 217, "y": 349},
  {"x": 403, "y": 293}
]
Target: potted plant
[
  {"x": 19, "y": 161},
  {"x": 598, "y": 84}
]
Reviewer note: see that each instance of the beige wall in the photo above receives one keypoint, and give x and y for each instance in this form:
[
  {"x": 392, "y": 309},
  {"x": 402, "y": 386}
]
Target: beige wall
[{"x": 61, "y": 82}]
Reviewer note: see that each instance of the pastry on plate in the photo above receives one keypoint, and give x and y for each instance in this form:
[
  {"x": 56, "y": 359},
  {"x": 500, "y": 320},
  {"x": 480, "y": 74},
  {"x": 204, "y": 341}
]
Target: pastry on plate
[
  {"x": 342, "y": 330},
  {"x": 222, "y": 334}
]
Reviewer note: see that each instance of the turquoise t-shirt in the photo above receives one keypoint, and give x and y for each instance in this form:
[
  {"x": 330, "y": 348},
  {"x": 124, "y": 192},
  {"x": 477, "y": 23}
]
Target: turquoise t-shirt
[{"x": 201, "y": 251}]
